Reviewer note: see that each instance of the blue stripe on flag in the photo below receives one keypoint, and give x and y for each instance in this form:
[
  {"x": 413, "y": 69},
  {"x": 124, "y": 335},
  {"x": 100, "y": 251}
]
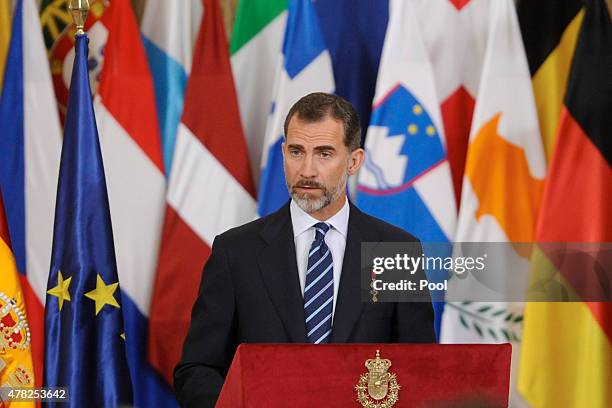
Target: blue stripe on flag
[
  {"x": 150, "y": 389},
  {"x": 12, "y": 162},
  {"x": 354, "y": 33},
  {"x": 404, "y": 209},
  {"x": 407, "y": 210},
  {"x": 303, "y": 41},
  {"x": 169, "y": 80},
  {"x": 273, "y": 189}
]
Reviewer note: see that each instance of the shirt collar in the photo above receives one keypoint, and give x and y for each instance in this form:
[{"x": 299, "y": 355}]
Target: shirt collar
[{"x": 302, "y": 221}]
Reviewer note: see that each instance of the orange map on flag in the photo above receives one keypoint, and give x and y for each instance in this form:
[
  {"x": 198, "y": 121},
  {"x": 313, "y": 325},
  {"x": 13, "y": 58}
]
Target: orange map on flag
[{"x": 494, "y": 182}]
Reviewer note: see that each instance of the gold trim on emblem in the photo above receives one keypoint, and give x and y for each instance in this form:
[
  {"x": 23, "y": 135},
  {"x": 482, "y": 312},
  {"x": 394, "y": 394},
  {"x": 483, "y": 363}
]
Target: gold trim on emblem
[{"x": 378, "y": 388}]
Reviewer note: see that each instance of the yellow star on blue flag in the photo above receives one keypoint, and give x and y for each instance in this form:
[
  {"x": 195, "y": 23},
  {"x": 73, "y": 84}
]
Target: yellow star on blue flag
[
  {"x": 103, "y": 294},
  {"x": 61, "y": 291},
  {"x": 82, "y": 347}
]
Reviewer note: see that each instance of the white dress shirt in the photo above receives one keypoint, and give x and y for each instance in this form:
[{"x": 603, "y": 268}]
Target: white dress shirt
[{"x": 304, "y": 234}]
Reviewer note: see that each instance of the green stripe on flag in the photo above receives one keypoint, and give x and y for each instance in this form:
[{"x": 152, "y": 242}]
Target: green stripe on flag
[{"x": 251, "y": 17}]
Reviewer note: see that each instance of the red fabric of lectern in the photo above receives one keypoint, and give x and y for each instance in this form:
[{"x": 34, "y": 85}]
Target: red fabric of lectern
[{"x": 430, "y": 375}]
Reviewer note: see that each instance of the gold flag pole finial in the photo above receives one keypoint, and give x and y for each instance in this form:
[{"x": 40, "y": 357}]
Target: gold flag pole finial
[{"x": 79, "y": 9}]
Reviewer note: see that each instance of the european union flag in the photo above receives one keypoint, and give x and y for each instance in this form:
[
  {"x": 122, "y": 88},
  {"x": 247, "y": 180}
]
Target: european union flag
[{"x": 84, "y": 336}]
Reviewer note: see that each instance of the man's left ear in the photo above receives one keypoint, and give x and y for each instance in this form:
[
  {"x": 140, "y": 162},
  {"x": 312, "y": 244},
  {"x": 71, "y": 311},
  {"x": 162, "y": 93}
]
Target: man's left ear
[{"x": 355, "y": 161}]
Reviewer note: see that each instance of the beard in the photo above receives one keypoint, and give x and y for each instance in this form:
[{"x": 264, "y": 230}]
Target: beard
[{"x": 310, "y": 204}]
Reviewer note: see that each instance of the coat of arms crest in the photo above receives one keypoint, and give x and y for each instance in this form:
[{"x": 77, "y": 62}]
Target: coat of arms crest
[{"x": 378, "y": 388}]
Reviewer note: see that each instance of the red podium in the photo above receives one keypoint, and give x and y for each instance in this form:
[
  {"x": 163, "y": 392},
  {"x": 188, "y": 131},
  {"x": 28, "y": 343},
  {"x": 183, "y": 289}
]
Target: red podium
[{"x": 429, "y": 375}]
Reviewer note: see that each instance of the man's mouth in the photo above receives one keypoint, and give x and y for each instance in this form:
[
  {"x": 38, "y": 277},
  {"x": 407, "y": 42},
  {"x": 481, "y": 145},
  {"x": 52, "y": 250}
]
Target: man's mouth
[{"x": 307, "y": 186}]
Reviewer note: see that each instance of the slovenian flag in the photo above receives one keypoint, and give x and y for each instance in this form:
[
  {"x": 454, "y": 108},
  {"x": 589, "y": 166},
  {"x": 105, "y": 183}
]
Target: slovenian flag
[{"x": 406, "y": 179}]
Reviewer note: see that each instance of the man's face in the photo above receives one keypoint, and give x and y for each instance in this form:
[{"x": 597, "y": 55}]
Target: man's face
[{"x": 317, "y": 163}]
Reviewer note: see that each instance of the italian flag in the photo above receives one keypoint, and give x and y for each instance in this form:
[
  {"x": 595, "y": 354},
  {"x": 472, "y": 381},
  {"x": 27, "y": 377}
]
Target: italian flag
[{"x": 255, "y": 44}]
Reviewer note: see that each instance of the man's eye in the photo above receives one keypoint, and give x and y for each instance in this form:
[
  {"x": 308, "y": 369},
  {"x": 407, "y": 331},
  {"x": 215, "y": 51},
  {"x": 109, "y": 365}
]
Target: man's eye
[
  {"x": 325, "y": 154},
  {"x": 294, "y": 152}
]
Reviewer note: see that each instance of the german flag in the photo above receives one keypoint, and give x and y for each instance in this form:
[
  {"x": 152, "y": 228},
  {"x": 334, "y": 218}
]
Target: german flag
[
  {"x": 566, "y": 356},
  {"x": 549, "y": 29}
]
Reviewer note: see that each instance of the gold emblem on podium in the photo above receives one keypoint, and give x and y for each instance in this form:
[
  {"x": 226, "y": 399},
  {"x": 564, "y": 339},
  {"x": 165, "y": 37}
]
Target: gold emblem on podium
[{"x": 378, "y": 388}]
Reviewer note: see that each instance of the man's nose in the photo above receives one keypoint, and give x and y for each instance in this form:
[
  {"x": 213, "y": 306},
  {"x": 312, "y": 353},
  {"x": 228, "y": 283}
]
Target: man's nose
[{"x": 308, "y": 169}]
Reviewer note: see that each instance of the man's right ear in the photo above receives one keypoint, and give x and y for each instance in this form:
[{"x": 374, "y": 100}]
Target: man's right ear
[{"x": 356, "y": 160}]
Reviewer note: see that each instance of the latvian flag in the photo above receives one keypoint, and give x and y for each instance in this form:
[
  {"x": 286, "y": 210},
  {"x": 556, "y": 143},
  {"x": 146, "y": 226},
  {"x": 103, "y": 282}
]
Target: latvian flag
[{"x": 210, "y": 190}]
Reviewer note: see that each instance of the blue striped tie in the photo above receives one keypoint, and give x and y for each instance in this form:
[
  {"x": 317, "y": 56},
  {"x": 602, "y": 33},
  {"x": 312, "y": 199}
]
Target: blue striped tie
[{"x": 319, "y": 288}]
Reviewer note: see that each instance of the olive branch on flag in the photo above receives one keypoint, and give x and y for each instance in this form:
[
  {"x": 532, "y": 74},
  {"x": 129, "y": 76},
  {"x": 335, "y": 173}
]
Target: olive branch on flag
[{"x": 487, "y": 320}]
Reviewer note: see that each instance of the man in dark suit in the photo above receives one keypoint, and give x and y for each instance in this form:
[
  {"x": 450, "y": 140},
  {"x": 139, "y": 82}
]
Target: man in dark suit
[{"x": 294, "y": 276}]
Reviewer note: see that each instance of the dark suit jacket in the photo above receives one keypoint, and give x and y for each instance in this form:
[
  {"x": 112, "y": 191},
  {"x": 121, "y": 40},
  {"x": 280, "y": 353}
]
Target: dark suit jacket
[{"x": 250, "y": 293}]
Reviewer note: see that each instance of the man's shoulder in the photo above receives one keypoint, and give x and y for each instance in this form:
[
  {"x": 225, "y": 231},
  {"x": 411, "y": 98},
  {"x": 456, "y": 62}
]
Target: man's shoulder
[
  {"x": 372, "y": 228},
  {"x": 252, "y": 231},
  {"x": 375, "y": 229}
]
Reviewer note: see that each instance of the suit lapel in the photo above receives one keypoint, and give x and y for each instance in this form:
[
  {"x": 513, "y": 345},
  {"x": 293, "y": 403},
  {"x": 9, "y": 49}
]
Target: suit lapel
[
  {"x": 348, "y": 304},
  {"x": 279, "y": 272}
]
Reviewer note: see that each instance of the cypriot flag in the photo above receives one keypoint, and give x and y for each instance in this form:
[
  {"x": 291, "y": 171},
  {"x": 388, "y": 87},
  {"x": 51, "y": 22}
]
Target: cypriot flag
[{"x": 502, "y": 187}]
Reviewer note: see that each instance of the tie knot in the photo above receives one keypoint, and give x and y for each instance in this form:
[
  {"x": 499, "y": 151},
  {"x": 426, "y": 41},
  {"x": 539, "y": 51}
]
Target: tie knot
[{"x": 321, "y": 229}]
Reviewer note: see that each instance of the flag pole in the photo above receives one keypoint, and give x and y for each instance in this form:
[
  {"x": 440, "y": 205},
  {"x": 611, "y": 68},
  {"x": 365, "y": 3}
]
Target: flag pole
[{"x": 79, "y": 10}]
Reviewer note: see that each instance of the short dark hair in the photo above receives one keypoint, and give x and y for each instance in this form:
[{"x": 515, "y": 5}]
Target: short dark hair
[{"x": 317, "y": 106}]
